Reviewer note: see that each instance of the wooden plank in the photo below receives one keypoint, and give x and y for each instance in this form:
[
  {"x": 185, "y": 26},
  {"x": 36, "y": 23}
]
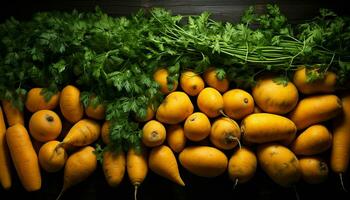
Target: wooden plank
[{"x": 225, "y": 10}]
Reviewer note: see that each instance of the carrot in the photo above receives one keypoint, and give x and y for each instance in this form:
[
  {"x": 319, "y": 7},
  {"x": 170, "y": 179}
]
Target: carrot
[
  {"x": 153, "y": 133},
  {"x": 79, "y": 166},
  {"x": 314, "y": 170},
  {"x": 210, "y": 102},
  {"x": 105, "y": 132},
  {"x": 13, "y": 114},
  {"x": 83, "y": 133},
  {"x": 175, "y": 108},
  {"x": 266, "y": 127},
  {"x": 176, "y": 137},
  {"x": 97, "y": 112},
  {"x": 5, "y": 162},
  {"x": 203, "y": 161},
  {"x": 315, "y": 109},
  {"x": 137, "y": 168},
  {"x": 161, "y": 77},
  {"x": 24, "y": 157},
  {"x": 225, "y": 133},
  {"x": 314, "y": 140},
  {"x": 323, "y": 85},
  {"x": 191, "y": 83},
  {"x": 52, "y": 159},
  {"x": 45, "y": 125},
  {"x": 163, "y": 162},
  {"x": 113, "y": 167},
  {"x": 210, "y": 77},
  {"x": 279, "y": 163},
  {"x": 71, "y": 107},
  {"x": 35, "y": 101},
  {"x": 242, "y": 165},
  {"x": 197, "y": 127},
  {"x": 273, "y": 97},
  {"x": 149, "y": 114},
  {"x": 238, "y": 103},
  {"x": 340, "y": 153}
]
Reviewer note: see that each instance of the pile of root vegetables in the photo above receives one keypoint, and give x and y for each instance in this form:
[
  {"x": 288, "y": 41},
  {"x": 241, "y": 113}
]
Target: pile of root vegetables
[{"x": 204, "y": 125}]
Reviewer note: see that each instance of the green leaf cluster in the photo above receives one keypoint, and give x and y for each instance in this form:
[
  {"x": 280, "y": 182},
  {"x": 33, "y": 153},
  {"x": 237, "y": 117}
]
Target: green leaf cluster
[{"x": 112, "y": 59}]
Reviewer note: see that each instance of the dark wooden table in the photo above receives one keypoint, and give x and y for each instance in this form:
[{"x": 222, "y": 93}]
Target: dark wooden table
[
  {"x": 155, "y": 187},
  {"x": 226, "y": 10}
]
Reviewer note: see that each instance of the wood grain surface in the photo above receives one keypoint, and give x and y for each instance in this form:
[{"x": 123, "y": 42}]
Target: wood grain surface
[{"x": 225, "y": 10}]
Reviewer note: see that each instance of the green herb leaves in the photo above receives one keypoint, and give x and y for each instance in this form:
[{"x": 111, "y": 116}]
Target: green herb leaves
[{"x": 113, "y": 59}]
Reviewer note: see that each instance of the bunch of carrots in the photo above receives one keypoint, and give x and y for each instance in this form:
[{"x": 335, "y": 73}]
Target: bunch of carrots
[{"x": 209, "y": 128}]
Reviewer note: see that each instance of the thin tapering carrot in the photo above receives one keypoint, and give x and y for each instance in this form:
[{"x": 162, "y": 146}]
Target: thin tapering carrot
[
  {"x": 340, "y": 154},
  {"x": 162, "y": 161},
  {"x": 5, "y": 162},
  {"x": 79, "y": 166},
  {"x": 137, "y": 168},
  {"x": 24, "y": 157},
  {"x": 83, "y": 133},
  {"x": 13, "y": 114}
]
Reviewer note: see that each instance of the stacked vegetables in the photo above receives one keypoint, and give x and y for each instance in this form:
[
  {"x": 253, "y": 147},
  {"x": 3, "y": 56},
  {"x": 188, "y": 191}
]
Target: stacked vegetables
[{"x": 143, "y": 94}]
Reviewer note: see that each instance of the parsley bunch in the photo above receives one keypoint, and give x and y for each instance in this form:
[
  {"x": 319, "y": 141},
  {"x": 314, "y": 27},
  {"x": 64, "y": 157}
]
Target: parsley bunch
[{"x": 113, "y": 59}]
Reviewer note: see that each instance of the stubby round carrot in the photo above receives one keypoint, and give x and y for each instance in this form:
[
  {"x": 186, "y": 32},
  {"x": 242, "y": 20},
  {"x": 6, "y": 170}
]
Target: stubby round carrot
[
  {"x": 35, "y": 101},
  {"x": 5, "y": 160},
  {"x": 323, "y": 85},
  {"x": 13, "y": 114},
  {"x": 137, "y": 168},
  {"x": 242, "y": 165},
  {"x": 97, "y": 112},
  {"x": 279, "y": 163},
  {"x": 51, "y": 158},
  {"x": 83, "y": 133},
  {"x": 24, "y": 157},
  {"x": 113, "y": 167}
]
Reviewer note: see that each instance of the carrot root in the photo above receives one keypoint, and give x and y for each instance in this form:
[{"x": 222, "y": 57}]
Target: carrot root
[
  {"x": 136, "y": 186},
  {"x": 297, "y": 197},
  {"x": 342, "y": 182},
  {"x": 60, "y": 194},
  {"x": 236, "y": 183}
]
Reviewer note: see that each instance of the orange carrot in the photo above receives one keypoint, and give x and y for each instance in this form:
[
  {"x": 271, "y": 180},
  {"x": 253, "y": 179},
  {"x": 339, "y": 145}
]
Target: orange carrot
[
  {"x": 79, "y": 166},
  {"x": 137, "y": 168},
  {"x": 113, "y": 167},
  {"x": 24, "y": 157},
  {"x": 13, "y": 114},
  {"x": 5, "y": 162}
]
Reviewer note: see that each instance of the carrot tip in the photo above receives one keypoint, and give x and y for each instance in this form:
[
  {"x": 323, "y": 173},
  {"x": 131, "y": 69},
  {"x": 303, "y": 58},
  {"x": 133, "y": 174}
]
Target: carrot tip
[
  {"x": 135, "y": 191},
  {"x": 60, "y": 194},
  {"x": 235, "y": 184},
  {"x": 342, "y": 182}
]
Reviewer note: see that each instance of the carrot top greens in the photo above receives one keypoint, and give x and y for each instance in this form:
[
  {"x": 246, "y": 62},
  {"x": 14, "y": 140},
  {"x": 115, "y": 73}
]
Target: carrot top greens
[{"x": 113, "y": 59}]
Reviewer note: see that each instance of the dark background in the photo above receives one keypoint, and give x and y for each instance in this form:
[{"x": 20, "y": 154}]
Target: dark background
[{"x": 155, "y": 187}]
